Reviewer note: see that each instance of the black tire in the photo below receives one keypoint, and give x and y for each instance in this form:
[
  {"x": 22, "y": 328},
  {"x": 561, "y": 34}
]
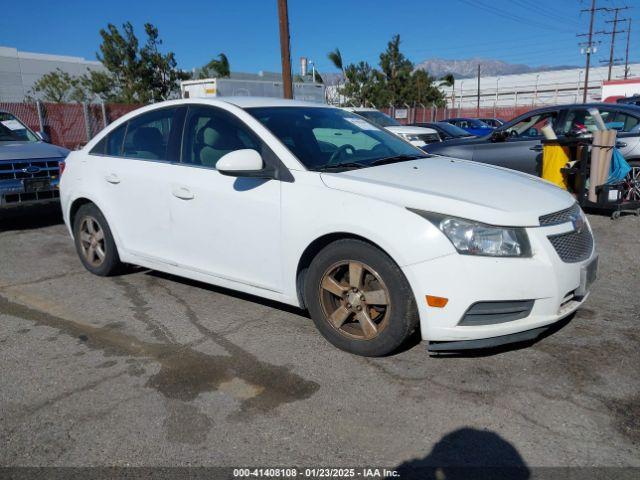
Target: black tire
[
  {"x": 110, "y": 263},
  {"x": 399, "y": 321}
]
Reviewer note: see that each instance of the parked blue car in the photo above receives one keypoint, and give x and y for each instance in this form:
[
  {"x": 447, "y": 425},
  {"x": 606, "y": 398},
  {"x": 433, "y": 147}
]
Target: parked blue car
[
  {"x": 29, "y": 166},
  {"x": 471, "y": 125}
]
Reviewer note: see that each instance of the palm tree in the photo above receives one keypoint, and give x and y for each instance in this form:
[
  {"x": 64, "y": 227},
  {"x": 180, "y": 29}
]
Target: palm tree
[
  {"x": 448, "y": 80},
  {"x": 336, "y": 58},
  {"x": 220, "y": 67}
]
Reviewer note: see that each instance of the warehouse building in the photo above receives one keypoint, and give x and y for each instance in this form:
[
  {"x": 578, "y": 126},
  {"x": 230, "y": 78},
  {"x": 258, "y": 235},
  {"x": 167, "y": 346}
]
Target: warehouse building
[
  {"x": 534, "y": 88},
  {"x": 20, "y": 70}
]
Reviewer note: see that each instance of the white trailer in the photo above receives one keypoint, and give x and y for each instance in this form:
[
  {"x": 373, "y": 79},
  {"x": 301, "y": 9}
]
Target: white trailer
[{"x": 227, "y": 87}]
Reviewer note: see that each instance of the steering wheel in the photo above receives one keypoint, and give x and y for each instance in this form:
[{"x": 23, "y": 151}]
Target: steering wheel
[
  {"x": 340, "y": 151},
  {"x": 513, "y": 133}
]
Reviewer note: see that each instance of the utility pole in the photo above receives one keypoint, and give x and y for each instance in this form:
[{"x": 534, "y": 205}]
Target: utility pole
[
  {"x": 613, "y": 32},
  {"x": 283, "y": 17},
  {"x": 626, "y": 58},
  {"x": 589, "y": 46},
  {"x": 478, "y": 98}
]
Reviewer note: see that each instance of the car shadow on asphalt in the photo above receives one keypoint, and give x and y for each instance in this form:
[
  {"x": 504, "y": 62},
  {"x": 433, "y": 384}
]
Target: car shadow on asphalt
[
  {"x": 467, "y": 453},
  {"x": 30, "y": 218}
]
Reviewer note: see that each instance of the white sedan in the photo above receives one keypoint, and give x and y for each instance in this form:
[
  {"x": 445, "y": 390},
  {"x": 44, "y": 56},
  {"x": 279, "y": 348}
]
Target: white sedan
[{"x": 316, "y": 207}]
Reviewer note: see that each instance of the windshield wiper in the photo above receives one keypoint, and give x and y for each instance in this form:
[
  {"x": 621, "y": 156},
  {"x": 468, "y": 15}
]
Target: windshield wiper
[
  {"x": 339, "y": 166},
  {"x": 396, "y": 159}
]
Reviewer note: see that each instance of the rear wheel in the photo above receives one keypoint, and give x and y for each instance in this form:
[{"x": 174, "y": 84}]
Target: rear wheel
[
  {"x": 359, "y": 298},
  {"x": 632, "y": 182},
  {"x": 94, "y": 242}
]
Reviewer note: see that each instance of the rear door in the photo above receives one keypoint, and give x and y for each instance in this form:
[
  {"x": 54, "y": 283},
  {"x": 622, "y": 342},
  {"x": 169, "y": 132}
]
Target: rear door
[
  {"x": 134, "y": 173},
  {"x": 522, "y": 148}
]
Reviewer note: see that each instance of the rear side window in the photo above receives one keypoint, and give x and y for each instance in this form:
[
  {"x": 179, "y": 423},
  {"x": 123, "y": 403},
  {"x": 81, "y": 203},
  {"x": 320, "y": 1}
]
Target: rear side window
[{"x": 147, "y": 135}]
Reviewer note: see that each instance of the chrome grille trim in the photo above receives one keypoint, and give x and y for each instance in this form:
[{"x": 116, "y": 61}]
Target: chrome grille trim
[{"x": 562, "y": 216}]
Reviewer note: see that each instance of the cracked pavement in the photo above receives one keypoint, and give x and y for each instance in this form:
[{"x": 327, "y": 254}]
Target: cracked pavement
[{"x": 152, "y": 370}]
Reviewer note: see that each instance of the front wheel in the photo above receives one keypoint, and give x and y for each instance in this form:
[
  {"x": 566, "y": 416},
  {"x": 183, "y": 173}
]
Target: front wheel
[{"x": 359, "y": 299}]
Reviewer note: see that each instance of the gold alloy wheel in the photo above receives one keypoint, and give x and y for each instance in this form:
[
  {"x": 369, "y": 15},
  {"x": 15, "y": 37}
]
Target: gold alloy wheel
[
  {"x": 92, "y": 242},
  {"x": 355, "y": 300}
]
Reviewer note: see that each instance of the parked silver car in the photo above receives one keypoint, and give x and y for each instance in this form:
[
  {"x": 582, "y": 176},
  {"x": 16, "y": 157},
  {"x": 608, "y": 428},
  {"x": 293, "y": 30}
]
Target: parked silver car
[{"x": 29, "y": 166}]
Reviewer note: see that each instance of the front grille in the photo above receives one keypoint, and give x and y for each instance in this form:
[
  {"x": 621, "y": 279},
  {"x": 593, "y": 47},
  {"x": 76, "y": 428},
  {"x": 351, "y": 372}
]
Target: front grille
[
  {"x": 574, "y": 246},
  {"x": 15, "y": 198},
  {"x": 19, "y": 169},
  {"x": 429, "y": 137},
  {"x": 563, "y": 216},
  {"x": 491, "y": 313}
]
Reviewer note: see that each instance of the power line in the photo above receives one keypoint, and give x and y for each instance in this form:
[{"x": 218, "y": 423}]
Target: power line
[
  {"x": 613, "y": 32},
  {"x": 589, "y": 45}
]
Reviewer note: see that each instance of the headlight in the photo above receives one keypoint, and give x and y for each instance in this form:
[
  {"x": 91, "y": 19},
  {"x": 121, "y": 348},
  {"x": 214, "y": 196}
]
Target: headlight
[{"x": 473, "y": 238}]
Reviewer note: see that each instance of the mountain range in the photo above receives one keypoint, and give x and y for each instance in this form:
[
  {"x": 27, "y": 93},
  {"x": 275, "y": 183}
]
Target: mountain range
[{"x": 438, "y": 67}]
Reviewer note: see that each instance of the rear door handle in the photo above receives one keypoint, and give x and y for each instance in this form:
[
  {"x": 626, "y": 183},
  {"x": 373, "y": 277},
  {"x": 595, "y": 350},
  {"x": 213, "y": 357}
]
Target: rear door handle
[
  {"x": 112, "y": 178},
  {"x": 183, "y": 193},
  {"x": 536, "y": 148}
]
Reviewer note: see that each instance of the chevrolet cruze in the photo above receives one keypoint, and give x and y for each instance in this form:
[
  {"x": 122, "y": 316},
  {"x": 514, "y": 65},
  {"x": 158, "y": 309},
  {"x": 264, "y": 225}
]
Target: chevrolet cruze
[{"x": 316, "y": 207}]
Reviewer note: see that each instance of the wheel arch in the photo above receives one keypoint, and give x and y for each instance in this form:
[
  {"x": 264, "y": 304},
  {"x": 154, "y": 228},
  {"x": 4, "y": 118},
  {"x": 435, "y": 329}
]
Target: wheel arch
[{"x": 315, "y": 247}]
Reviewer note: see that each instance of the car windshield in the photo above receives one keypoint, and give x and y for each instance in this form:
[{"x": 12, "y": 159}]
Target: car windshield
[
  {"x": 453, "y": 130},
  {"x": 333, "y": 139},
  {"x": 379, "y": 118},
  {"x": 13, "y": 130}
]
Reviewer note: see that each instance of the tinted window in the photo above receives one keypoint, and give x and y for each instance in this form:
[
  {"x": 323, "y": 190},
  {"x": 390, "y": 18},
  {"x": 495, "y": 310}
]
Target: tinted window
[
  {"x": 625, "y": 122},
  {"x": 147, "y": 135},
  {"x": 210, "y": 133}
]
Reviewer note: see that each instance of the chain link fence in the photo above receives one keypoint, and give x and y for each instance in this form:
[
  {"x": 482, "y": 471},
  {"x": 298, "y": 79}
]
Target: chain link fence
[{"x": 69, "y": 125}]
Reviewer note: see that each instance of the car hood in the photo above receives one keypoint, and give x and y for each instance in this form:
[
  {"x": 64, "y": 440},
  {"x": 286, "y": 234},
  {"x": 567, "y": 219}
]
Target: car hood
[
  {"x": 28, "y": 150},
  {"x": 409, "y": 130},
  {"x": 461, "y": 188}
]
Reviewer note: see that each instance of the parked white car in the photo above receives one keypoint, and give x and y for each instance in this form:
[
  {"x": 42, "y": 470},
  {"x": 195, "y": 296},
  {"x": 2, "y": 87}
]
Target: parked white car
[
  {"x": 316, "y": 207},
  {"x": 418, "y": 136}
]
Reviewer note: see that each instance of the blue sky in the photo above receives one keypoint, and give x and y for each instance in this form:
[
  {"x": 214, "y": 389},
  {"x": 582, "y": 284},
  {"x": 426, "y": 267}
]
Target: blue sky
[{"x": 517, "y": 31}]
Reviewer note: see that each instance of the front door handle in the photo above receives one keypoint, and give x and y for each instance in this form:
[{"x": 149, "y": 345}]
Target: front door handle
[
  {"x": 183, "y": 193},
  {"x": 620, "y": 144},
  {"x": 536, "y": 148},
  {"x": 112, "y": 178}
]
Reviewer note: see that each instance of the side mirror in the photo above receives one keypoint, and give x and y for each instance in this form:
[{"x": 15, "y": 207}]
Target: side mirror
[
  {"x": 243, "y": 163},
  {"x": 44, "y": 136}
]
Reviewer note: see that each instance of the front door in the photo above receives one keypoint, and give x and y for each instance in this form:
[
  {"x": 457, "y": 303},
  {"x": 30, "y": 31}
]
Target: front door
[{"x": 224, "y": 226}]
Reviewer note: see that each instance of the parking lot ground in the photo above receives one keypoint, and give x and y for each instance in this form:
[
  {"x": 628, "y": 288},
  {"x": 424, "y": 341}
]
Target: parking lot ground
[{"x": 149, "y": 369}]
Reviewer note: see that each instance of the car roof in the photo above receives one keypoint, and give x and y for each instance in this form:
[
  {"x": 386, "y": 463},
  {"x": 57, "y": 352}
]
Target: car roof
[
  {"x": 360, "y": 109},
  {"x": 249, "y": 102},
  {"x": 618, "y": 106}
]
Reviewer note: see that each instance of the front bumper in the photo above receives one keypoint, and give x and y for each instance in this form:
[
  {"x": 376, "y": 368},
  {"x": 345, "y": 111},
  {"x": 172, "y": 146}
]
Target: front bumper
[{"x": 465, "y": 280}]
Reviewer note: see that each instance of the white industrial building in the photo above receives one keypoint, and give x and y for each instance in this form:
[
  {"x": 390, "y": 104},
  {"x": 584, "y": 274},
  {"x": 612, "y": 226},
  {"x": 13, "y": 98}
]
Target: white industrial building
[
  {"x": 535, "y": 88},
  {"x": 20, "y": 70}
]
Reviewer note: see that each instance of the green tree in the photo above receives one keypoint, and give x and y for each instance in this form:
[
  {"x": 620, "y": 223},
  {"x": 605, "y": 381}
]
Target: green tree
[
  {"x": 397, "y": 71},
  {"x": 139, "y": 75},
  {"x": 335, "y": 57},
  {"x": 218, "y": 67},
  {"x": 60, "y": 87}
]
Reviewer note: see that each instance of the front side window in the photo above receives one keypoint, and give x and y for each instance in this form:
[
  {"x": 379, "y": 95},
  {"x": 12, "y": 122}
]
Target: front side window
[
  {"x": 211, "y": 133},
  {"x": 13, "y": 130},
  {"x": 624, "y": 122},
  {"x": 147, "y": 135},
  {"x": 530, "y": 127},
  {"x": 324, "y": 138}
]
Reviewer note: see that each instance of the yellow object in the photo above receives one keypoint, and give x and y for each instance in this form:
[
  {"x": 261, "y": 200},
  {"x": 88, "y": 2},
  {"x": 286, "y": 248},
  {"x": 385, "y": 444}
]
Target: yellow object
[{"x": 554, "y": 157}]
